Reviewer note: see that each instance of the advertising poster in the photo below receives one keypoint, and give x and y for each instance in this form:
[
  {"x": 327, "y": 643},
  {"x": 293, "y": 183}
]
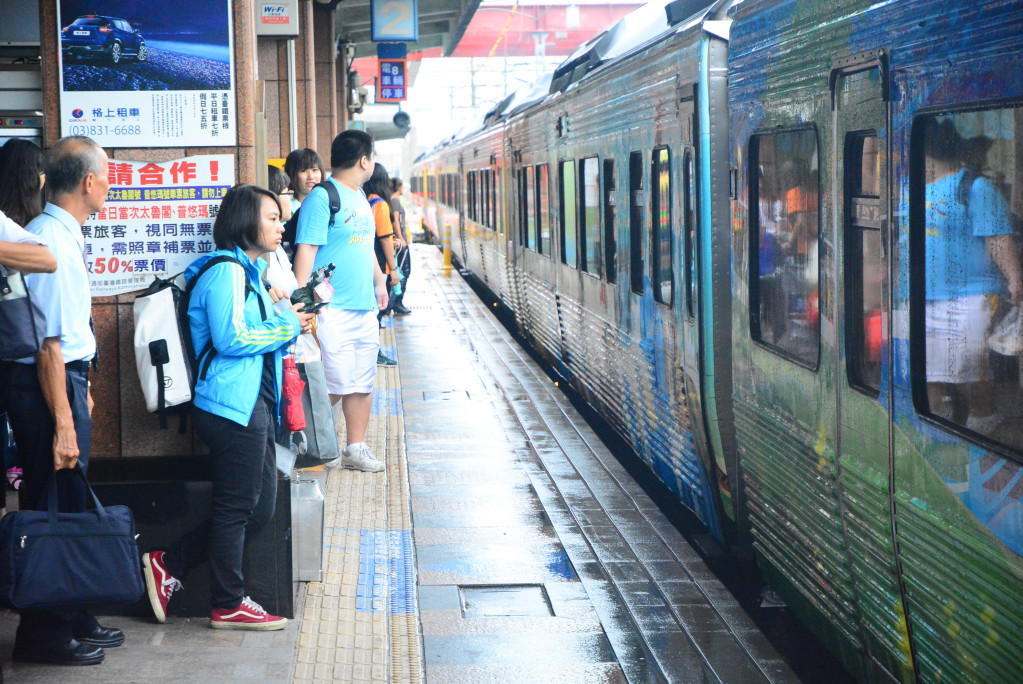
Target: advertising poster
[
  {"x": 147, "y": 74},
  {"x": 158, "y": 218}
]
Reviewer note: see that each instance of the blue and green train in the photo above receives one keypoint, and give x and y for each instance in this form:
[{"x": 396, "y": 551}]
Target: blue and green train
[{"x": 775, "y": 244}]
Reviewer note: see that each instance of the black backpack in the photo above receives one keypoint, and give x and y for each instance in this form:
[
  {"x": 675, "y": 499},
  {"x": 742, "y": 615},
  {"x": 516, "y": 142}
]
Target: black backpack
[{"x": 291, "y": 227}]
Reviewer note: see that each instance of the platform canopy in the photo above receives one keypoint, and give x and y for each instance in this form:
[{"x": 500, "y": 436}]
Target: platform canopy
[{"x": 491, "y": 28}]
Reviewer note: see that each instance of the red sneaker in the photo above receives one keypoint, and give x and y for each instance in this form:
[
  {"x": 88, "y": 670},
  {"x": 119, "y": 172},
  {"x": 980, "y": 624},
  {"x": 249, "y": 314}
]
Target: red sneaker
[
  {"x": 160, "y": 584},
  {"x": 248, "y": 615}
]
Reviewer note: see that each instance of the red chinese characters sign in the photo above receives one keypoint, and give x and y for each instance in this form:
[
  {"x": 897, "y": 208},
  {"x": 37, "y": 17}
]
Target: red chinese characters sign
[{"x": 157, "y": 219}]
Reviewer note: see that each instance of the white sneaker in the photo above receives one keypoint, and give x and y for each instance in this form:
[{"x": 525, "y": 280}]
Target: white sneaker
[{"x": 359, "y": 457}]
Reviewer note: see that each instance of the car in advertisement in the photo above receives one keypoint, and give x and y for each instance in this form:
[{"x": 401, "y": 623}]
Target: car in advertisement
[{"x": 104, "y": 38}]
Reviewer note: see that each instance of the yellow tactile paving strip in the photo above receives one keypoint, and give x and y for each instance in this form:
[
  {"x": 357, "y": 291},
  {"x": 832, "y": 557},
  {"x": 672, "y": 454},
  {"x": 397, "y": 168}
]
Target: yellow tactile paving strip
[{"x": 360, "y": 624}]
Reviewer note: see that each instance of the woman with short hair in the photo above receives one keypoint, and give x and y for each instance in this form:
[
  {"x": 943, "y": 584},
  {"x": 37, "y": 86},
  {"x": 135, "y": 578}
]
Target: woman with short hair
[{"x": 238, "y": 342}]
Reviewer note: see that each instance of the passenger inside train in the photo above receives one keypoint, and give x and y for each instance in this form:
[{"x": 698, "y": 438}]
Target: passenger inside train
[{"x": 973, "y": 275}]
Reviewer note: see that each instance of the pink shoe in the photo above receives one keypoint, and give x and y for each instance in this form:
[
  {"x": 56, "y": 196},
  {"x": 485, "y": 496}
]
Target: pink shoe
[{"x": 14, "y": 477}]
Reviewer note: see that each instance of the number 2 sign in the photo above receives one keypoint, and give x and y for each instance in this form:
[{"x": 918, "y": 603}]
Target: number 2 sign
[{"x": 395, "y": 20}]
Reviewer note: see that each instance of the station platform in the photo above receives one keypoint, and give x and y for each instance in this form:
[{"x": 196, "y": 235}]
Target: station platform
[{"x": 503, "y": 543}]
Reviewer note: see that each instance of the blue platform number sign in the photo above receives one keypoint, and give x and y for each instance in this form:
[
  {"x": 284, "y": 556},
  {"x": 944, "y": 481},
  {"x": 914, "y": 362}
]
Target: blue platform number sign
[
  {"x": 392, "y": 86},
  {"x": 395, "y": 20}
]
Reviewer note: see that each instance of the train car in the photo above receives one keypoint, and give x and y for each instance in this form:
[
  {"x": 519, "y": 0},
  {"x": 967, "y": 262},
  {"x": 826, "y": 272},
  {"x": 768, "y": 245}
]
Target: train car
[
  {"x": 884, "y": 485},
  {"x": 775, "y": 245}
]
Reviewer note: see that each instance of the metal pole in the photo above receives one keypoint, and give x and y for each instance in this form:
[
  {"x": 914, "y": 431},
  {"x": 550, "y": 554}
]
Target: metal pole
[{"x": 292, "y": 95}]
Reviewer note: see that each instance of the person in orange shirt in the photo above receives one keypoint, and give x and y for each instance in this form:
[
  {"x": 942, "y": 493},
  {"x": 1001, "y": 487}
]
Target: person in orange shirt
[{"x": 378, "y": 192}]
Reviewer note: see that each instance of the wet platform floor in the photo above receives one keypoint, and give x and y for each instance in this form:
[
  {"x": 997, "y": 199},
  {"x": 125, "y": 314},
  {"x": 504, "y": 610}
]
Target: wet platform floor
[{"x": 539, "y": 559}]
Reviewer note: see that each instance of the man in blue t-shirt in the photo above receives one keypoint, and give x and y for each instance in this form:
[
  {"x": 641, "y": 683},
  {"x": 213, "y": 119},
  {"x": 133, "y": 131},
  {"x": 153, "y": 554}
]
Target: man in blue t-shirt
[
  {"x": 347, "y": 330},
  {"x": 971, "y": 261}
]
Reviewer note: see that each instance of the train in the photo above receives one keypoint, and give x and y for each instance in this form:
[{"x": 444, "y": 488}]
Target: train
[{"x": 774, "y": 243}]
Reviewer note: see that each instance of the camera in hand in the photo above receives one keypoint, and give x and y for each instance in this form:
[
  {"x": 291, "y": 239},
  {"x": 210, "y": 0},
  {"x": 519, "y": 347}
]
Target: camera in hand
[{"x": 317, "y": 292}]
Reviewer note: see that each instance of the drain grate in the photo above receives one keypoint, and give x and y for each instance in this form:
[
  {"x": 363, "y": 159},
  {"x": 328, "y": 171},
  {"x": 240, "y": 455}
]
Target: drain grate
[
  {"x": 446, "y": 395},
  {"x": 505, "y": 600}
]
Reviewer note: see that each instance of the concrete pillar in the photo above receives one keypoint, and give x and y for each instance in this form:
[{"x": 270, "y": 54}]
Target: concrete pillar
[{"x": 325, "y": 49}]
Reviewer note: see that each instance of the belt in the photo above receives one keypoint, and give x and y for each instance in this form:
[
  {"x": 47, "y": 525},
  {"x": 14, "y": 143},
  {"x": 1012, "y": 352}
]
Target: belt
[{"x": 79, "y": 366}]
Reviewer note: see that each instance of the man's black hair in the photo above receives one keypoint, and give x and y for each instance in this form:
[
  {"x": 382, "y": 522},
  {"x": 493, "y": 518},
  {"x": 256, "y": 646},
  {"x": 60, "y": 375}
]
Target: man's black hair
[
  {"x": 241, "y": 213},
  {"x": 349, "y": 147}
]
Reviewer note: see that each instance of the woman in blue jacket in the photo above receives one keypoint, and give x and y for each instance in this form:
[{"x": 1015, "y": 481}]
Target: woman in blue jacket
[{"x": 239, "y": 342}]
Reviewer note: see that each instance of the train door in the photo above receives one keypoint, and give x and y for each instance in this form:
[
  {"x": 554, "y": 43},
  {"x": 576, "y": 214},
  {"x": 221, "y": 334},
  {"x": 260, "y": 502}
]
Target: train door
[{"x": 862, "y": 245}]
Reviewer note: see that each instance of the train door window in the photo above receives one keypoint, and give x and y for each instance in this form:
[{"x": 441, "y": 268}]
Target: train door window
[
  {"x": 784, "y": 251},
  {"x": 470, "y": 195},
  {"x": 485, "y": 197},
  {"x": 966, "y": 197},
  {"x": 660, "y": 219},
  {"x": 496, "y": 194},
  {"x": 567, "y": 196},
  {"x": 636, "y": 206},
  {"x": 589, "y": 219},
  {"x": 543, "y": 214},
  {"x": 864, "y": 261},
  {"x": 689, "y": 229},
  {"x": 530, "y": 209},
  {"x": 610, "y": 233}
]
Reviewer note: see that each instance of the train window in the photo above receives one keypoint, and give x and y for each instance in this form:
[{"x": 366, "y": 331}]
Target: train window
[
  {"x": 966, "y": 196},
  {"x": 689, "y": 229},
  {"x": 589, "y": 219},
  {"x": 543, "y": 213},
  {"x": 610, "y": 234},
  {"x": 864, "y": 262},
  {"x": 784, "y": 235},
  {"x": 636, "y": 206},
  {"x": 468, "y": 194},
  {"x": 660, "y": 219},
  {"x": 569, "y": 250},
  {"x": 530, "y": 211}
]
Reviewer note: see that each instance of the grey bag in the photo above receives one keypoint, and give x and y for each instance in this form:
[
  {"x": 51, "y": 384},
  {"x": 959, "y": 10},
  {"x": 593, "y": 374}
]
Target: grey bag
[
  {"x": 317, "y": 444},
  {"x": 21, "y": 322}
]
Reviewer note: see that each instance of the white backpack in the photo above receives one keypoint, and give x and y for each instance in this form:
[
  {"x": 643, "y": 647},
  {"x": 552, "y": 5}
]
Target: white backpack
[{"x": 160, "y": 353}]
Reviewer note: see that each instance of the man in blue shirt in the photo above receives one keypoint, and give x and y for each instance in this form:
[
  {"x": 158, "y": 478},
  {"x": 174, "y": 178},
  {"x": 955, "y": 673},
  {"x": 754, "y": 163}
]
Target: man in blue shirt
[
  {"x": 49, "y": 403},
  {"x": 347, "y": 330}
]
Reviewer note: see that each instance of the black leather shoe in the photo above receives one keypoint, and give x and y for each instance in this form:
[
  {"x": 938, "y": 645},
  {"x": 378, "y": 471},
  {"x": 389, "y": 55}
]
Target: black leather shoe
[
  {"x": 71, "y": 653},
  {"x": 104, "y": 637},
  {"x": 401, "y": 309}
]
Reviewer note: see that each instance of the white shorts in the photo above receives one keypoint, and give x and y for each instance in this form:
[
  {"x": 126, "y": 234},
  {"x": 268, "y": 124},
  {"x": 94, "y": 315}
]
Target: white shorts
[
  {"x": 349, "y": 342},
  {"x": 956, "y": 338}
]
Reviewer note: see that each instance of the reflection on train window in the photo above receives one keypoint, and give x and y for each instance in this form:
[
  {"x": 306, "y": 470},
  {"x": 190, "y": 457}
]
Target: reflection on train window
[
  {"x": 569, "y": 250},
  {"x": 784, "y": 232},
  {"x": 543, "y": 216},
  {"x": 689, "y": 230},
  {"x": 636, "y": 205},
  {"x": 660, "y": 217},
  {"x": 972, "y": 202},
  {"x": 864, "y": 270},
  {"x": 589, "y": 221},
  {"x": 610, "y": 234}
]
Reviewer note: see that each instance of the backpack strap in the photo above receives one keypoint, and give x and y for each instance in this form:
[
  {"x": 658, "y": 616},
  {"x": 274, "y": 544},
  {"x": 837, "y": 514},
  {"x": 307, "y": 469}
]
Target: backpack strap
[{"x": 334, "y": 197}]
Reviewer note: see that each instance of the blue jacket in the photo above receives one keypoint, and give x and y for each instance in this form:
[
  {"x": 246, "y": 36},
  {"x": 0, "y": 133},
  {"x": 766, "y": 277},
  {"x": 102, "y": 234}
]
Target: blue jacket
[{"x": 221, "y": 309}]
